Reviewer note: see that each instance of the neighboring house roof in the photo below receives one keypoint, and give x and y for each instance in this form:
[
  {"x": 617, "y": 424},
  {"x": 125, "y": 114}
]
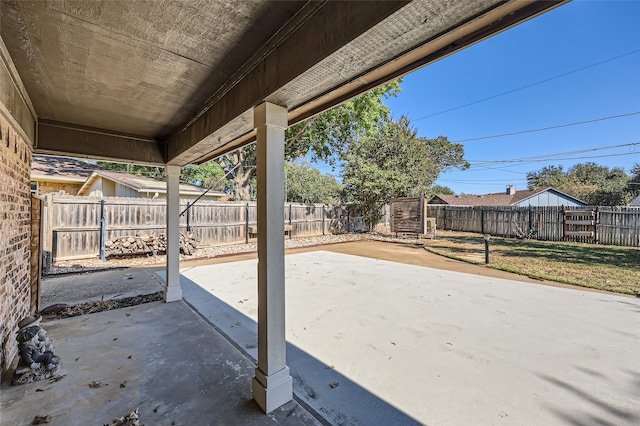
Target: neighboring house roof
[
  {"x": 143, "y": 184},
  {"x": 495, "y": 199},
  {"x": 61, "y": 169},
  {"x": 635, "y": 202}
]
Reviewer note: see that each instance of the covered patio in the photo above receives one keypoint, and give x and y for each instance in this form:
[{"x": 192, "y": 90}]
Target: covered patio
[
  {"x": 493, "y": 349},
  {"x": 182, "y": 82}
]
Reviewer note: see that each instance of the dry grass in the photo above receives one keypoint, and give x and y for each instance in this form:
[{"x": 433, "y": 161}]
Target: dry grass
[{"x": 587, "y": 265}]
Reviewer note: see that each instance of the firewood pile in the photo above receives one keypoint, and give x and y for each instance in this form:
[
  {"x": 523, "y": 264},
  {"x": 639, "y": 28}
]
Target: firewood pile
[{"x": 145, "y": 243}]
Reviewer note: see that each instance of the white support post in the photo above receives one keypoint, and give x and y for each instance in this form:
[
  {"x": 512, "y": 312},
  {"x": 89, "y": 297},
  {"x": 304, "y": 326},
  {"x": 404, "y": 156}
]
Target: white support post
[
  {"x": 272, "y": 384},
  {"x": 172, "y": 291}
]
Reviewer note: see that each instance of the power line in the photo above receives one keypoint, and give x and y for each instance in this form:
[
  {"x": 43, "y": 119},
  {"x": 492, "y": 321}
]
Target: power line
[
  {"x": 547, "y": 157},
  {"x": 527, "y": 86},
  {"x": 547, "y": 128}
]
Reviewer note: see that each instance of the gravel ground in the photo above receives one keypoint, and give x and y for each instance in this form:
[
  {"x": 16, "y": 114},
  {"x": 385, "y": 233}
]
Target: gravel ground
[{"x": 95, "y": 264}]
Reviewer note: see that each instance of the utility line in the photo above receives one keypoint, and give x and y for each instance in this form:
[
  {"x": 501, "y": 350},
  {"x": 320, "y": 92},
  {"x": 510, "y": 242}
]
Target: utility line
[
  {"x": 547, "y": 128},
  {"x": 528, "y": 85},
  {"x": 210, "y": 188},
  {"x": 546, "y": 157}
]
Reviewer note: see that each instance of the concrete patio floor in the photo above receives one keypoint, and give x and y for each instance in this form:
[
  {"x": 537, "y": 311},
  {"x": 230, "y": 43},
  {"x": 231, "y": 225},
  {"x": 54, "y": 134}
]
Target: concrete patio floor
[
  {"x": 370, "y": 342},
  {"x": 163, "y": 359},
  {"x": 376, "y": 342}
]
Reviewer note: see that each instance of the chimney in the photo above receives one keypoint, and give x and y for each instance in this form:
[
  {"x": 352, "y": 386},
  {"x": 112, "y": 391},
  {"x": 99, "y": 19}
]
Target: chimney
[{"x": 511, "y": 190}]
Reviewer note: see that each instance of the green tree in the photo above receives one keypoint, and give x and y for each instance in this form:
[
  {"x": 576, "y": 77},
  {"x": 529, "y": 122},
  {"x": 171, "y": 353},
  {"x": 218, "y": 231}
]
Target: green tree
[
  {"x": 633, "y": 186},
  {"x": 548, "y": 176},
  {"x": 395, "y": 162},
  {"x": 206, "y": 175},
  {"x": 306, "y": 184},
  {"x": 326, "y": 135},
  {"x": 590, "y": 182},
  {"x": 323, "y": 137},
  {"x": 133, "y": 169},
  {"x": 240, "y": 168},
  {"x": 441, "y": 190}
]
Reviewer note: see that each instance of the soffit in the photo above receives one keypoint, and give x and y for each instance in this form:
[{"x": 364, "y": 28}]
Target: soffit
[{"x": 175, "y": 80}]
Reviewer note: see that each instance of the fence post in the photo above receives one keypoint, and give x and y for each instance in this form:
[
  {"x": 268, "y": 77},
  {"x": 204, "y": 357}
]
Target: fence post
[
  {"x": 482, "y": 221},
  {"x": 47, "y": 237},
  {"x": 188, "y": 217},
  {"x": 445, "y": 219},
  {"x": 596, "y": 220},
  {"x": 246, "y": 223},
  {"x": 422, "y": 216},
  {"x": 103, "y": 233},
  {"x": 290, "y": 224},
  {"x": 323, "y": 232}
]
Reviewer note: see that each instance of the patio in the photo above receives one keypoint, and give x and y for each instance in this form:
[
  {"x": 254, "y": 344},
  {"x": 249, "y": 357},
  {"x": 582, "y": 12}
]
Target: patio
[
  {"x": 369, "y": 341},
  {"x": 442, "y": 347}
]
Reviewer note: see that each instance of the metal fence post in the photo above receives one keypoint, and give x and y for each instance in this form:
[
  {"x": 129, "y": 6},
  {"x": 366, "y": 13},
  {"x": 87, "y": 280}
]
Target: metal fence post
[
  {"x": 323, "y": 232},
  {"x": 290, "y": 223},
  {"x": 188, "y": 217},
  {"x": 246, "y": 223},
  {"x": 103, "y": 233}
]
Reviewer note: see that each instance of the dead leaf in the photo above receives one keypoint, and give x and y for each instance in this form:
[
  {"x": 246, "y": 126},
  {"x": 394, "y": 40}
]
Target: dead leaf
[
  {"x": 38, "y": 420},
  {"x": 57, "y": 378},
  {"x": 95, "y": 384},
  {"x": 334, "y": 385}
]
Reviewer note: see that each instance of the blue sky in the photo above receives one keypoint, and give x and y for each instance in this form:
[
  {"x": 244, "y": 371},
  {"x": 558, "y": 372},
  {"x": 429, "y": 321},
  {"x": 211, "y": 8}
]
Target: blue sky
[{"x": 573, "y": 37}]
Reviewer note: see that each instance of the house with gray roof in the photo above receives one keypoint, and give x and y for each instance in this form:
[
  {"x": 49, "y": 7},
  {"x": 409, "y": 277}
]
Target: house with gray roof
[
  {"x": 51, "y": 174},
  {"x": 524, "y": 198}
]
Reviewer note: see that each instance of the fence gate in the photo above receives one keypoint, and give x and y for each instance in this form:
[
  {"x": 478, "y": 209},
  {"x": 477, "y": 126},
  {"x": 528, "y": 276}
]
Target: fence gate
[
  {"x": 580, "y": 225},
  {"x": 408, "y": 215}
]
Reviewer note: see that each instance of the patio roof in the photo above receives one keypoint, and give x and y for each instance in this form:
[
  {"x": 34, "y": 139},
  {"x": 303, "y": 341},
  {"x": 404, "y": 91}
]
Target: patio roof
[
  {"x": 135, "y": 82},
  {"x": 184, "y": 81}
]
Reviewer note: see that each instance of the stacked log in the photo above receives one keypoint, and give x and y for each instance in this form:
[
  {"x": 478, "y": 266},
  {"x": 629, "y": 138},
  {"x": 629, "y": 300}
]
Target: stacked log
[{"x": 145, "y": 244}]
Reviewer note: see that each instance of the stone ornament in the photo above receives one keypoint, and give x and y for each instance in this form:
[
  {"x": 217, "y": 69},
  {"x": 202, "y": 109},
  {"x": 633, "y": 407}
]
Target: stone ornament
[{"x": 37, "y": 360}]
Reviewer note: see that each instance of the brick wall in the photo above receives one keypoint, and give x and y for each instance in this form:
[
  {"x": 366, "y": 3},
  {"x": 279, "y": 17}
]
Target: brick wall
[{"x": 15, "y": 203}]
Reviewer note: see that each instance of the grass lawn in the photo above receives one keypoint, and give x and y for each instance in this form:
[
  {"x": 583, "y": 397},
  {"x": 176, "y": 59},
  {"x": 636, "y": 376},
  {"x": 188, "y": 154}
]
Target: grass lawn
[{"x": 610, "y": 268}]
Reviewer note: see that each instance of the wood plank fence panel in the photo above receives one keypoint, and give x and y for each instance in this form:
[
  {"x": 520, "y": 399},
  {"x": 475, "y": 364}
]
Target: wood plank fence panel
[
  {"x": 612, "y": 225},
  {"x": 214, "y": 223},
  {"x": 619, "y": 226},
  {"x": 75, "y": 221}
]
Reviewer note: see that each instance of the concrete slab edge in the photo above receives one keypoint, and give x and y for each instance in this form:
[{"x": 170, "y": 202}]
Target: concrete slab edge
[{"x": 240, "y": 349}]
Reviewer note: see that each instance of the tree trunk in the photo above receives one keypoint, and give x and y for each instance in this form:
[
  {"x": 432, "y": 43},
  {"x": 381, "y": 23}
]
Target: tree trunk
[{"x": 242, "y": 184}]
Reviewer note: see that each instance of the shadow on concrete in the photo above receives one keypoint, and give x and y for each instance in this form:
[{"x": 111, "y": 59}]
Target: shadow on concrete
[
  {"x": 614, "y": 415},
  {"x": 317, "y": 386},
  {"x": 161, "y": 358}
]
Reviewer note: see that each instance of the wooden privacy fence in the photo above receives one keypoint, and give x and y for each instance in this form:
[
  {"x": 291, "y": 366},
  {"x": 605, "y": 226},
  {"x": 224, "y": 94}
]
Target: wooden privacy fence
[
  {"x": 603, "y": 225},
  {"x": 71, "y": 225}
]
